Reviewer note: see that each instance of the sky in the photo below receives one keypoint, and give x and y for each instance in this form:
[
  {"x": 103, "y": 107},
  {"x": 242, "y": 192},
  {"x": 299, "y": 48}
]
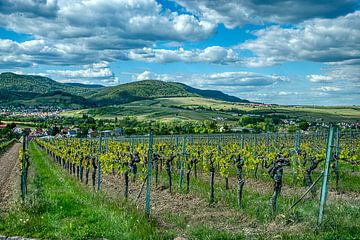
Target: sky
[{"x": 293, "y": 52}]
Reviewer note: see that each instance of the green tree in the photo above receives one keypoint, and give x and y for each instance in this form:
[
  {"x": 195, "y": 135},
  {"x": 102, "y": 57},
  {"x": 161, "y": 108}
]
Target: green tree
[
  {"x": 304, "y": 125},
  {"x": 292, "y": 129},
  {"x": 245, "y": 120}
]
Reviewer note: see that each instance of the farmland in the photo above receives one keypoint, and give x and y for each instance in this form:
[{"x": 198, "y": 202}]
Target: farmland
[
  {"x": 197, "y": 108},
  {"x": 212, "y": 186}
]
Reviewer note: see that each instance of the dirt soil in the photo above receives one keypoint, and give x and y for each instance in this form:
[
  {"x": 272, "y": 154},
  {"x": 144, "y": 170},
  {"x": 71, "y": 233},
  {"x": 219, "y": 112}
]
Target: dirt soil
[
  {"x": 190, "y": 210},
  {"x": 9, "y": 177}
]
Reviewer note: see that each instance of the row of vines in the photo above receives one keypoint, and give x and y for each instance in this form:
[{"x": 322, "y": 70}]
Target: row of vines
[{"x": 226, "y": 156}]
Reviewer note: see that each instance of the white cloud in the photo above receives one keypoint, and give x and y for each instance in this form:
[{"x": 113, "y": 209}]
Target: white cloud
[
  {"x": 329, "y": 89},
  {"x": 222, "y": 80},
  {"x": 128, "y": 23},
  {"x": 319, "y": 78},
  {"x": 84, "y": 73},
  {"x": 213, "y": 54},
  {"x": 235, "y": 13},
  {"x": 318, "y": 40},
  {"x": 89, "y": 73}
]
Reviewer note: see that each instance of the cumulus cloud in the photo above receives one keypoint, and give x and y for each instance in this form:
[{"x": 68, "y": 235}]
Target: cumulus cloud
[
  {"x": 319, "y": 78},
  {"x": 84, "y": 73},
  {"x": 233, "y": 13},
  {"x": 89, "y": 73},
  {"x": 118, "y": 21},
  {"x": 81, "y": 31},
  {"x": 25, "y": 54},
  {"x": 329, "y": 89},
  {"x": 213, "y": 54},
  {"x": 318, "y": 40},
  {"x": 30, "y": 8},
  {"x": 222, "y": 80}
]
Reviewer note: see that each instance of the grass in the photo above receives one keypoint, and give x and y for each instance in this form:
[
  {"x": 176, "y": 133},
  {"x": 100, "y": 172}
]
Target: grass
[
  {"x": 341, "y": 216},
  {"x": 58, "y": 207}
]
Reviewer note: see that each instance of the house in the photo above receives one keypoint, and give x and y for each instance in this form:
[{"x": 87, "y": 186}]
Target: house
[
  {"x": 39, "y": 131},
  {"x": 240, "y": 129},
  {"x": 118, "y": 131},
  {"x": 71, "y": 133},
  {"x": 65, "y": 130},
  {"x": 17, "y": 130}
]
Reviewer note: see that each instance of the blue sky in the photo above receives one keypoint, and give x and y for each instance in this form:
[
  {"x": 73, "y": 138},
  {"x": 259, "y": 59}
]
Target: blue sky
[{"x": 284, "y": 52}]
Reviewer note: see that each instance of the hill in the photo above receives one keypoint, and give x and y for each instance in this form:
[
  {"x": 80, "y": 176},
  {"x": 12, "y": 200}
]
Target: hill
[
  {"x": 85, "y": 85},
  {"x": 38, "y": 90},
  {"x": 151, "y": 89},
  {"x": 36, "y": 84}
]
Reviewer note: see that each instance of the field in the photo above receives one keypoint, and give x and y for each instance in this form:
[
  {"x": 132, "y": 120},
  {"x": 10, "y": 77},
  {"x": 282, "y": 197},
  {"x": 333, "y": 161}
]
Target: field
[
  {"x": 183, "y": 108},
  {"x": 221, "y": 188}
]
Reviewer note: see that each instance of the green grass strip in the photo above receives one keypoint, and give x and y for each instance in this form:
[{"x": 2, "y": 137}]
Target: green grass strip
[{"x": 59, "y": 207}]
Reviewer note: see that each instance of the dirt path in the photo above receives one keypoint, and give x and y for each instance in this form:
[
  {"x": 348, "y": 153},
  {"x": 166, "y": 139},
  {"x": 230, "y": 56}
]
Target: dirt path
[{"x": 9, "y": 176}]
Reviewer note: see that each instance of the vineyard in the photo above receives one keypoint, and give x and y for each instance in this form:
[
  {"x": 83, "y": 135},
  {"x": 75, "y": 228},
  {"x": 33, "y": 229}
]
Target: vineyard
[{"x": 229, "y": 161}]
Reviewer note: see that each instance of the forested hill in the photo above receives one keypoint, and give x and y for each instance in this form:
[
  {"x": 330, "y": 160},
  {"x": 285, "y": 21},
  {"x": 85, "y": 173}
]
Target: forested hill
[{"x": 37, "y": 90}]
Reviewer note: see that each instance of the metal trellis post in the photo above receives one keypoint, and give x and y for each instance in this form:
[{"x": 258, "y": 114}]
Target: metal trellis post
[
  {"x": 324, "y": 188},
  {"x": 148, "y": 180}
]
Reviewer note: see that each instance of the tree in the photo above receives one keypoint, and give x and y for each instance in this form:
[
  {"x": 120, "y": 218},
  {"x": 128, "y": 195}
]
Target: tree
[
  {"x": 269, "y": 125},
  {"x": 304, "y": 125},
  {"x": 54, "y": 130},
  {"x": 292, "y": 129},
  {"x": 245, "y": 120}
]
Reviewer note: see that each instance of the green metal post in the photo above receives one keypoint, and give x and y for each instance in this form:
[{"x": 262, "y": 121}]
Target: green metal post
[
  {"x": 182, "y": 162},
  {"x": 148, "y": 180},
  {"x": 324, "y": 188},
  {"x": 242, "y": 141},
  {"x": 132, "y": 144},
  {"x": 23, "y": 168},
  {"x": 99, "y": 165}
]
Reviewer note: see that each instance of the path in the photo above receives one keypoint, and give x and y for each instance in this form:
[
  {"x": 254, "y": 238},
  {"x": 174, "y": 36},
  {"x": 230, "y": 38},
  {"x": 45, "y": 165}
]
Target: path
[{"x": 9, "y": 176}]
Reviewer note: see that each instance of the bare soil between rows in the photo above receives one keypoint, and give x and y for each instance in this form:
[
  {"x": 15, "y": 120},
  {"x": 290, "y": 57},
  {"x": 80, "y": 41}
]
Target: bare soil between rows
[
  {"x": 9, "y": 177},
  {"x": 188, "y": 209}
]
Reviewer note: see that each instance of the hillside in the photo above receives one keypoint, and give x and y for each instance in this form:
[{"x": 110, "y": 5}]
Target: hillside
[
  {"x": 37, "y": 90},
  {"x": 198, "y": 108},
  {"x": 36, "y": 84},
  {"x": 150, "y": 89}
]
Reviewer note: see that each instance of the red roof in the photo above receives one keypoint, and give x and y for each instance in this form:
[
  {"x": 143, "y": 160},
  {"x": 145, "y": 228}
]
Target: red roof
[{"x": 3, "y": 125}]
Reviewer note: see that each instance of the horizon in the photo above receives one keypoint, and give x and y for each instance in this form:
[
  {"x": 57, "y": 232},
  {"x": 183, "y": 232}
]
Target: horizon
[
  {"x": 119, "y": 84},
  {"x": 293, "y": 53}
]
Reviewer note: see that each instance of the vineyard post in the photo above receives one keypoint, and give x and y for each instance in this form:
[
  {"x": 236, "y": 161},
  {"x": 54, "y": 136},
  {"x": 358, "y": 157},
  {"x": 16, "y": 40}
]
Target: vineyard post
[
  {"x": 81, "y": 161},
  {"x": 132, "y": 144},
  {"x": 255, "y": 155},
  {"x": 148, "y": 180},
  {"x": 297, "y": 147},
  {"x": 177, "y": 151},
  {"x": 218, "y": 152},
  {"x": 23, "y": 167},
  {"x": 267, "y": 142},
  {"x": 106, "y": 142},
  {"x": 336, "y": 165},
  {"x": 350, "y": 139},
  {"x": 99, "y": 165},
  {"x": 182, "y": 162},
  {"x": 67, "y": 163},
  {"x": 324, "y": 188},
  {"x": 242, "y": 141}
]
